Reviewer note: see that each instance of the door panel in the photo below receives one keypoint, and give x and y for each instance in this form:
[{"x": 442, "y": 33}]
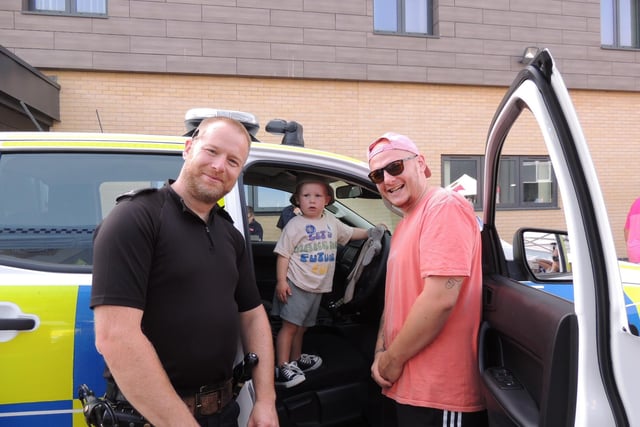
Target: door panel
[{"x": 527, "y": 360}]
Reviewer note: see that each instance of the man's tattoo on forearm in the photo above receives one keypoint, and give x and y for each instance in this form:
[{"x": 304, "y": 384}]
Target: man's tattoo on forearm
[{"x": 451, "y": 282}]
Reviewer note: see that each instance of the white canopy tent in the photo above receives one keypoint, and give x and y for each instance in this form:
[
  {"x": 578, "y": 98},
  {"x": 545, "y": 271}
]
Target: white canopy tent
[{"x": 464, "y": 185}]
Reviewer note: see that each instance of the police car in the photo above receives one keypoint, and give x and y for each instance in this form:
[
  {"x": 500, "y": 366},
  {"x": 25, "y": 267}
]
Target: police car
[
  {"x": 547, "y": 256},
  {"x": 544, "y": 360}
]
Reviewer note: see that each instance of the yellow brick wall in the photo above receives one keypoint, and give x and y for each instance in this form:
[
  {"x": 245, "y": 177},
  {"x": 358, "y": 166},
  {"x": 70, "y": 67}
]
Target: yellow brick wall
[{"x": 344, "y": 117}]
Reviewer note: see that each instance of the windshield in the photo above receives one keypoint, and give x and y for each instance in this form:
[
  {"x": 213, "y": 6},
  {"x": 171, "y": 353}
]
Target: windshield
[{"x": 52, "y": 202}]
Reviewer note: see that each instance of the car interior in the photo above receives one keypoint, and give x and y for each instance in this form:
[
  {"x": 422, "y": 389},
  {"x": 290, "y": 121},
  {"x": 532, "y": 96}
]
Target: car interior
[{"x": 341, "y": 391}]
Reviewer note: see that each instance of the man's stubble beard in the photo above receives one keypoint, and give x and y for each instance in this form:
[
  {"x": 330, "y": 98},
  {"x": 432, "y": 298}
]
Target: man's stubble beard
[{"x": 203, "y": 193}]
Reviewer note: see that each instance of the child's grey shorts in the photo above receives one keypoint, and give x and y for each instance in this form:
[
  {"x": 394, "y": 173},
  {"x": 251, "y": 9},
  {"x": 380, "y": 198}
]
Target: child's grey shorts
[{"x": 301, "y": 308}]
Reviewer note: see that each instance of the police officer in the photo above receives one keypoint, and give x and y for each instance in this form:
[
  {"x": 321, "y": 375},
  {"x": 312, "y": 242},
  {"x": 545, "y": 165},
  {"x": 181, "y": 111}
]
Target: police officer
[{"x": 173, "y": 289}]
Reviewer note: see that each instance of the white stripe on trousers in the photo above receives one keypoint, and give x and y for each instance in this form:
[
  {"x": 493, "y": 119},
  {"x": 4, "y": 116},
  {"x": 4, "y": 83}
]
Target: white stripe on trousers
[{"x": 451, "y": 419}]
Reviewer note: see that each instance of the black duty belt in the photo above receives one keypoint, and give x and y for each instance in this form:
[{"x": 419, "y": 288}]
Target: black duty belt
[{"x": 209, "y": 399}]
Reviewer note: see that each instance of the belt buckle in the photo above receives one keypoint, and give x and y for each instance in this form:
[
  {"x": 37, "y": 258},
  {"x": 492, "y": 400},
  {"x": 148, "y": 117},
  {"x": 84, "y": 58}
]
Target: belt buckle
[
  {"x": 206, "y": 390},
  {"x": 197, "y": 405}
]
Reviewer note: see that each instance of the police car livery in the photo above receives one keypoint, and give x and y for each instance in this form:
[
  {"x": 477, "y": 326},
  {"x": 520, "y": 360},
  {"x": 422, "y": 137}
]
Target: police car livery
[
  {"x": 56, "y": 188},
  {"x": 544, "y": 360}
]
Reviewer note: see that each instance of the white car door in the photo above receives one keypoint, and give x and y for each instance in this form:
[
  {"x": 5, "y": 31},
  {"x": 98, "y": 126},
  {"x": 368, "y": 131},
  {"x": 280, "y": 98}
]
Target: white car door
[{"x": 546, "y": 360}]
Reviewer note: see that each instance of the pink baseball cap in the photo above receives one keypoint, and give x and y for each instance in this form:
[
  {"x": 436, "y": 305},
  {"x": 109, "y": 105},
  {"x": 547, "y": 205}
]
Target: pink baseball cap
[{"x": 394, "y": 141}]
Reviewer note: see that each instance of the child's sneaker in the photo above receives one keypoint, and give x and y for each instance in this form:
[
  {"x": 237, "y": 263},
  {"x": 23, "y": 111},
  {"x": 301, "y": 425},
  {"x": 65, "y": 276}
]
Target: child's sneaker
[
  {"x": 308, "y": 362},
  {"x": 289, "y": 375}
]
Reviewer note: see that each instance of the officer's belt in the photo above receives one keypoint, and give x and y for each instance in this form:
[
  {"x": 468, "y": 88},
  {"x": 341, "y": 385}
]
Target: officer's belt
[{"x": 209, "y": 399}]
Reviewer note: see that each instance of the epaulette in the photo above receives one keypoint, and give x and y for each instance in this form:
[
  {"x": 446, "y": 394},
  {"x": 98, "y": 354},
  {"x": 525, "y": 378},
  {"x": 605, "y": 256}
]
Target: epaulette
[
  {"x": 224, "y": 214},
  {"x": 134, "y": 193}
]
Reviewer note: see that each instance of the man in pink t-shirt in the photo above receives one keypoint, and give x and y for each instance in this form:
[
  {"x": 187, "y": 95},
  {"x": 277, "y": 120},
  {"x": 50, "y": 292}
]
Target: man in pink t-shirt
[
  {"x": 632, "y": 232},
  {"x": 426, "y": 351}
]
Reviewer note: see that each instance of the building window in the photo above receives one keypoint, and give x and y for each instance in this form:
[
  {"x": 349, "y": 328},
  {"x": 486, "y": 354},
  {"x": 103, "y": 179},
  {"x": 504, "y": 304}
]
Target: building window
[
  {"x": 69, "y": 7},
  {"x": 524, "y": 182},
  {"x": 403, "y": 16},
  {"x": 464, "y": 175},
  {"x": 620, "y": 23}
]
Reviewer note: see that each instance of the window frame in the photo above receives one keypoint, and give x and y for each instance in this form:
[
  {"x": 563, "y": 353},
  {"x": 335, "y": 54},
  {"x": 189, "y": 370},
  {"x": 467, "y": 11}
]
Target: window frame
[
  {"x": 401, "y": 24},
  {"x": 519, "y": 161},
  {"x": 479, "y": 176},
  {"x": 252, "y": 196},
  {"x": 71, "y": 9},
  {"x": 610, "y": 23}
]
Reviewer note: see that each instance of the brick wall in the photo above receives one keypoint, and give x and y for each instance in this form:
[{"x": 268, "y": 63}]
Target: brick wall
[{"x": 474, "y": 42}]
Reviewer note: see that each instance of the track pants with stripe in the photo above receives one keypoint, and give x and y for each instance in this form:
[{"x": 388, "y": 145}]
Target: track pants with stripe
[{"x": 415, "y": 416}]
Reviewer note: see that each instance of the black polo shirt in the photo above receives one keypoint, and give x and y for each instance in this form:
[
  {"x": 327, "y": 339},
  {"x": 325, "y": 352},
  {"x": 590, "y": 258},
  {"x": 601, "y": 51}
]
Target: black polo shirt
[{"x": 190, "y": 278}]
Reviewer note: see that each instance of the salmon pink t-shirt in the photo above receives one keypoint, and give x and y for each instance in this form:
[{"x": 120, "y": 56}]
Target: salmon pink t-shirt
[{"x": 438, "y": 237}]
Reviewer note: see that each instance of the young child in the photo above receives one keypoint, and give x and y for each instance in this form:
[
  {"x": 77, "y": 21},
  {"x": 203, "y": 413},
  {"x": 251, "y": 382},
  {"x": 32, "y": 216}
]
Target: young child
[{"x": 306, "y": 262}]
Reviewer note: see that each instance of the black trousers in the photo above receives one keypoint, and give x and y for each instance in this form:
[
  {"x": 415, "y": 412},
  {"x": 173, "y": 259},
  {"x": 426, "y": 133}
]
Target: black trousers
[
  {"x": 227, "y": 417},
  {"x": 416, "y": 416}
]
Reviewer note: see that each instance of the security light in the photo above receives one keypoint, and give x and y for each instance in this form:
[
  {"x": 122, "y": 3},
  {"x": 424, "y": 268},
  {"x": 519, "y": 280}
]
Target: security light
[{"x": 529, "y": 53}]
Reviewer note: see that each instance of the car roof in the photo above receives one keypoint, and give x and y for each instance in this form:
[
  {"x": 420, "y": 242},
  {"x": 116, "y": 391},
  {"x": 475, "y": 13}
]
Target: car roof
[
  {"x": 86, "y": 141},
  {"x": 287, "y": 156},
  {"x": 82, "y": 141}
]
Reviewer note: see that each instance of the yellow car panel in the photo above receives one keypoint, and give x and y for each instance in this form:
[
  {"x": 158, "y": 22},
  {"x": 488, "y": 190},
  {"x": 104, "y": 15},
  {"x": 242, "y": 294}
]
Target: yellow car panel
[{"x": 33, "y": 376}]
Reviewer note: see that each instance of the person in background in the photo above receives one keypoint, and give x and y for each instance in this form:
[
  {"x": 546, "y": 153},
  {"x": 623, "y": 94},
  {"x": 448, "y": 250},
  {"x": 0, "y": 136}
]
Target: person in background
[
  {"x": 174, "y": 291},
  {"x": 255, "y": 228},
  {"x": 426, "y": 352},
  {"x": 632, "y": 232},
  {"x": 306, "y": 258},
  {"x": 287, "y": 213}
]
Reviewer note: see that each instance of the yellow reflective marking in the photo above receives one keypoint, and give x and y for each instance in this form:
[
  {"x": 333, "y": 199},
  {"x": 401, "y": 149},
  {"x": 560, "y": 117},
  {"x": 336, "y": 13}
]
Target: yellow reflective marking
[
  {"x": 28, "y": 374},
  {"x": 631, "y": 282},
  {"x": 633, "y": 292},
  {"x": 176, "y": 146},
  {"x": 629, "y": 265},
  {"x": 78, "y": 417}
]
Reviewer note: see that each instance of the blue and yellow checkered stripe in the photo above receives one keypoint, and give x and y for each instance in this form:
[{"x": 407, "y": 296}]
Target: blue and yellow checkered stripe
[{"x": 40, "y": 371}]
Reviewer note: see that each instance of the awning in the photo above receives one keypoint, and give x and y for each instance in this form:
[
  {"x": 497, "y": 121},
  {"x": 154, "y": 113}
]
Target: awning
[
  {"x": 464, "y": 185},
  {"x": 29, "y": 100}
]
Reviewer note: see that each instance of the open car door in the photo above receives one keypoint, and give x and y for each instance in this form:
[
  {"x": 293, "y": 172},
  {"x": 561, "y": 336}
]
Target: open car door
[{"x": 547, "y": 360}]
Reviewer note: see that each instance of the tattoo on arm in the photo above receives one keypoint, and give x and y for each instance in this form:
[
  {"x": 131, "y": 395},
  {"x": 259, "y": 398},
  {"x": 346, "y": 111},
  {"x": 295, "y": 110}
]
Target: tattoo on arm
[{"x": 451, "y": 282}]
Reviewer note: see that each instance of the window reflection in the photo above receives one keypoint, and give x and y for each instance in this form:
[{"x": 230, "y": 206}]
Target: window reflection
[
  {"x": 403, "y": 16},
  {"x": 385, "y": 15}
]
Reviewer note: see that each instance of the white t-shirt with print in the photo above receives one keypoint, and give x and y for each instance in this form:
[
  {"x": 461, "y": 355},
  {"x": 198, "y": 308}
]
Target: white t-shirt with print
[{"x": 311, "y": 246}]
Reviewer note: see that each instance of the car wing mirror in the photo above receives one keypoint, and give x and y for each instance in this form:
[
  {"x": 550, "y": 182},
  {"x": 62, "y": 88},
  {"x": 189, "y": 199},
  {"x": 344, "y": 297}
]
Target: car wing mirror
[
  {"x": 543, "y": 254},
  {"x": 348, "y": 192}
]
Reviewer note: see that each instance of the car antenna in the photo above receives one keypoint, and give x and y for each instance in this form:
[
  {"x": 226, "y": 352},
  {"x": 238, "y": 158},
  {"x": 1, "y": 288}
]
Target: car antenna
[
  {"x": 33, "y": 119},
  {"x": 99, "y": 122}
]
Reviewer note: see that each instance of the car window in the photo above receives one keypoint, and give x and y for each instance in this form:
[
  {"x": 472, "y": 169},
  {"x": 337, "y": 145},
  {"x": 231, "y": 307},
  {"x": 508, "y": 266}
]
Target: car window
[
  {"x": 268, "y": 188},
  {"x": 370, "y": 208},
  {"x": 52, "y": 202},
  {"x": 529, "y": 185},
  {"x": 269, "y": 203},
  {"x": 547, "y": 247}
]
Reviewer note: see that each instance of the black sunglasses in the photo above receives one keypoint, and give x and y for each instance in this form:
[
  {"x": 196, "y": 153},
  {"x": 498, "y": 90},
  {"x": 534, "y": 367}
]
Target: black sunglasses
[{"x": 394, "y": 168}]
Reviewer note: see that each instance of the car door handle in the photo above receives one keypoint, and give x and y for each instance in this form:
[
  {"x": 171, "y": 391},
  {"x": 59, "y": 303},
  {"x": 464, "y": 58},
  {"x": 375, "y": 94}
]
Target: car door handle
[
  {"x": 13, "y": 321},
  {"x": 24, "y": 324}
]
